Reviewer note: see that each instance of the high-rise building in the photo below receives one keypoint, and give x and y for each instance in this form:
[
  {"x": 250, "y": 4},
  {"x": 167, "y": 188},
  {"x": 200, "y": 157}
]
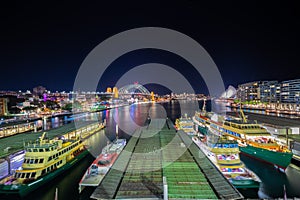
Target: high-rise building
[
  {"x": 290, "y": 91},
  {"x": 3, "y": 106}
]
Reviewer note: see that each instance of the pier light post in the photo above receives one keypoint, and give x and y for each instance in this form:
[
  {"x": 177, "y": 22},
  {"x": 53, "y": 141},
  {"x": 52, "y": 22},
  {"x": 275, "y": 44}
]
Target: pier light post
[{"x": 165, "y": 188}]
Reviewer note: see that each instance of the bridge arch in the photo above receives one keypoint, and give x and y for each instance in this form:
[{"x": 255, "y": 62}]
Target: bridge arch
[{"x": 134, "y": 89}]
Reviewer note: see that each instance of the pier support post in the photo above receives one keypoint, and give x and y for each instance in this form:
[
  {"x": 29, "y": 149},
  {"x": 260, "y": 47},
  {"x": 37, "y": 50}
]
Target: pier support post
[
  {"x": 8, "y": 165},
  {"x": 286, "y": 136}
]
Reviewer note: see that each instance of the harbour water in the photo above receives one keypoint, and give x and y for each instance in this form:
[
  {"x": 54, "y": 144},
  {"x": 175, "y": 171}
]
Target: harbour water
[{"x": 128, "y": 118}]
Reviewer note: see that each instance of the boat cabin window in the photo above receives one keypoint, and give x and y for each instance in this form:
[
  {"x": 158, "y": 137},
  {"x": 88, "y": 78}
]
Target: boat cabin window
[
  {"x": 35, "y": 150},
  {"x": 41, "y": 150},
  {"x": 41, "y": 160},
  {"x": 33, "y": 174},
  {"x": 227, "y": 156},
  {"x": 16, "y": 175},
  {"x": 27, "y": 175}
]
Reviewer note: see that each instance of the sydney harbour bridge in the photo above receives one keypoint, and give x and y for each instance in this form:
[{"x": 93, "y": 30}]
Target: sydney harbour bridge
[{"x": 136, "y": 91}]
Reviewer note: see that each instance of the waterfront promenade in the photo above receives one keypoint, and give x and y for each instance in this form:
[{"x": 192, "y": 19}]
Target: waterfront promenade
[
  {"x": 271, "y": 120},
  {"x": 159, "y": 162}
]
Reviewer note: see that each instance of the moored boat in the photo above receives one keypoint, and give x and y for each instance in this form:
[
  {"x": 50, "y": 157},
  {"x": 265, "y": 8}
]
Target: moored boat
[
  {"x": 101, "y": 165},
  {"x": 44, "y": 160},
  {"x": 253, "y": 140},
  {"x": 224, "y": 154}
]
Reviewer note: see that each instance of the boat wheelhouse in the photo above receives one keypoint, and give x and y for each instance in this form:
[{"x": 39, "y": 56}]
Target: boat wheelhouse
[{"x": 186, "y": 124}]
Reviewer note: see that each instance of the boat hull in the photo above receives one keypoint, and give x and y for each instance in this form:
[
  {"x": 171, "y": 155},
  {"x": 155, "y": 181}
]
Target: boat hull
[
  {"x": 110, "y": 152},
  {"x": 24, "y": 189},
  {"x": 244, "y": 183},
  {"x": 279, "y": 160}
]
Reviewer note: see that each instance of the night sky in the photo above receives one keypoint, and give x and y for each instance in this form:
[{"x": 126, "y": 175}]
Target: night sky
[{"x": 45, "y": 43}]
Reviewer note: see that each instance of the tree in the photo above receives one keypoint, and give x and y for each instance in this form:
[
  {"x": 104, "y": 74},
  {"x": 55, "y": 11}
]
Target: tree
[
  {"x": 70, "y": 106},
  {"x": 29, "y": 108}
]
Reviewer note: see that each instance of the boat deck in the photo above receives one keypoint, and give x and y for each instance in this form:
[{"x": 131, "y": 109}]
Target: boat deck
[
  {"x": 94, "y": 179},
  {"x": 158, "y": 151}
]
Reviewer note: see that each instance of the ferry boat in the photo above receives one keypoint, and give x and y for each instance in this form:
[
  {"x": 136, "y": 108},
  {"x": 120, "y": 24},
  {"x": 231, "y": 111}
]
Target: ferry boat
[
  {"x": 44, "y": 160},
  {"x": 224, "y": 154},
  {"x": 101, "y": 165},
  {"x": 253, "y": 140},
  {"x": 186, "y": 124}
]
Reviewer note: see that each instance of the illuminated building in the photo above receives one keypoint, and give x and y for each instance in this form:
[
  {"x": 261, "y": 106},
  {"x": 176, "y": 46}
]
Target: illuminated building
[
  {"x": 269, "y": 91},
  {"x": 249, "y": 91},
  {"x": 290, "y": 91},
  {"x": 3, "y": 106}
]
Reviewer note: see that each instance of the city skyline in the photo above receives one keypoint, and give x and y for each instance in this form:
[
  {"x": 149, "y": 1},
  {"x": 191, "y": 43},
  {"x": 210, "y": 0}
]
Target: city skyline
[{"x": 46, "y": 45}]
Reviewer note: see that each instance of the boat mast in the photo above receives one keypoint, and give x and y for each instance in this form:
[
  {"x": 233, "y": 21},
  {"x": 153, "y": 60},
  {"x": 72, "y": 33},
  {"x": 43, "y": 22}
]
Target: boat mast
[
  {"x": 204, "y": 106},
  {"x": 42, "y": 138},
  {"x": 242, "y": 112}
]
